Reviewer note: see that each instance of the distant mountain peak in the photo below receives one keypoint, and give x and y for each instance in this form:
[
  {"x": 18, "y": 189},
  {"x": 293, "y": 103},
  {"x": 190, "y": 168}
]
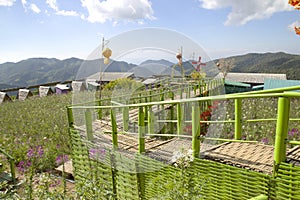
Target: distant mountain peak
[{"x": 161, "y": 62}]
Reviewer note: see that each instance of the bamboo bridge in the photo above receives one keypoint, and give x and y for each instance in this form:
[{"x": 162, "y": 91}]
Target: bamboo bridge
[{"x": 126, "y": 149}]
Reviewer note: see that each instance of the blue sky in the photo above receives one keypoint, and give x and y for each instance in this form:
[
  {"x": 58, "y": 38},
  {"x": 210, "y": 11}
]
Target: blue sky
[{"x": 64, "y": 28}]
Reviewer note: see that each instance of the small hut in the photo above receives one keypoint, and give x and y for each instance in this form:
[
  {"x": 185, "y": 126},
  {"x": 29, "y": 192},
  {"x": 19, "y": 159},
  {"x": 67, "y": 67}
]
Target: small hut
[
  {"x": 24, "y": 94},
  {"x": 4, "y": 97},
  {"x": 93, "y": 86},
  {"x": 78, "y": 86},
  {"x": 62, "y": 89},
  {"x": 45, "y": 91}
]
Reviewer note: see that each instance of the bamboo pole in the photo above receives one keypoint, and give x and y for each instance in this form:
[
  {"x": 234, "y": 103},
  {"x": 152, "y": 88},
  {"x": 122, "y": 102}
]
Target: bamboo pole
[
  {"x": 150, "y": 121},
  {"x": 70, "y": 117},
  {"x": 125, "y": 119},
  {"x": 88, "y": 124},
  {"x": 179, "y": 119},
  {"x": 141, "y": 130},
  {"x": 196, "y": 129},
  {"x": 99, "y": 110},
  {"x": 238, "y": 119},
  {"x": 114, "y": 129},
  {"x": 281, "y": 131}
]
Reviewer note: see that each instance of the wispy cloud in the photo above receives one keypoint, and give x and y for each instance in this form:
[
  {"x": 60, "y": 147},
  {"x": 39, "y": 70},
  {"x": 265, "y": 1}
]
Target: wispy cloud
[
  {"x": 53, "y": 4},
  {"x": 118, "y": 10},
  {"x": 7, "y": 2},
  {"x": 243, "y": 11},
  {"x": 34, "y": 8}
]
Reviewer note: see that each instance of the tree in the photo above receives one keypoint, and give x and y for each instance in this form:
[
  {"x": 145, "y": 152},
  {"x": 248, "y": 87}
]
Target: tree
[
  {"x": 225, "y": 65},
  {"x": 197, "y": 75}
]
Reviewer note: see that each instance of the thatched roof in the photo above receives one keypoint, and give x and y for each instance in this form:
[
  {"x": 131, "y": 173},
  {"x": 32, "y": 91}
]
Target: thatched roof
[
  {"x": 24, "y": 94},
  {"x": 78, "y": 86},
  {"x": 109, "y": 76},
  {"x": 4, "y": 97},
  {"x": 257, "y": 78},
  {"x": 45, "y": 91},
  {"x": 62, "y": 87}
]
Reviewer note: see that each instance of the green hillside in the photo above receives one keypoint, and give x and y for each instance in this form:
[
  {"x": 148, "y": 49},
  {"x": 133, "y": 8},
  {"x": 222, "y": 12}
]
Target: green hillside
[
  {"x": 36, "y": 71},
  {"x": 268, "y": 63}
]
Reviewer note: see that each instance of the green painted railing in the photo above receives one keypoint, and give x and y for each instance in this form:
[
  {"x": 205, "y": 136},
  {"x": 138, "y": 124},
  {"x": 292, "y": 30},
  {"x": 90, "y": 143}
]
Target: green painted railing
[{"x": 199, "y": 104}]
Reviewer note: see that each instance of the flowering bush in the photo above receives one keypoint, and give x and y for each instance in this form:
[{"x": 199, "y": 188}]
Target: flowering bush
[{"x": 182, "y": 158}]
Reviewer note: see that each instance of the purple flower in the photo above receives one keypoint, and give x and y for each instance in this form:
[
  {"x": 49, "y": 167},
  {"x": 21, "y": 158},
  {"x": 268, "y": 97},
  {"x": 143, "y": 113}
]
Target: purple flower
[
  {"x": 60, "y": 159},
  {"x": 40, "y": 151},
  {"x": 97, "y": 153},
  {"x": 30, "y": 153},
  {"x": 293, "y": 132},
  {"x": 55, "y": 183},
  {"x": 36, "y": 152},
  {"x": 23, "y": 166},
  {"x": 265, "y": 140}
]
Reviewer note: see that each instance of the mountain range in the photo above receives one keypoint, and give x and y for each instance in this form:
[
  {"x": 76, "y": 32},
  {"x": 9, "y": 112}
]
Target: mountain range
[{"x": 35, "y": 71}]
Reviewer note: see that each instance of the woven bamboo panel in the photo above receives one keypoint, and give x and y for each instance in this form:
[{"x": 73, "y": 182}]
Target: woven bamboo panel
[
  {"x": 204, "y": 180},
  {"x": 287, "y": 183}
]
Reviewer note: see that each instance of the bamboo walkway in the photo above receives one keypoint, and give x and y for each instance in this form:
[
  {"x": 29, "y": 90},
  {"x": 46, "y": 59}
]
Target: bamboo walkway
[{"x": 256, "y": 157}]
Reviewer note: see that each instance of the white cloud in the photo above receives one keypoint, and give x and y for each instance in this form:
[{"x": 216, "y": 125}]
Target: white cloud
[
  {"x": 34, "y": 8},
  {"x": 53, "y": 4},
  {"x": 7, "y": 2},
  {"x": 117, "y": 10},
  {"x": 67, "y": 13},
  {"x": 243, "y": 11},
  {"x": 24, "y": 2}
]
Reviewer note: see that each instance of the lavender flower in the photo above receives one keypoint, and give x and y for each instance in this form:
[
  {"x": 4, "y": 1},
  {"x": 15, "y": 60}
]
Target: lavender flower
[
  {"x": 36, "y": 152},
  {"x": 60, "y": 159},
  {"x": 265, "y": 140},
  {"x": 97, "y": 153}
]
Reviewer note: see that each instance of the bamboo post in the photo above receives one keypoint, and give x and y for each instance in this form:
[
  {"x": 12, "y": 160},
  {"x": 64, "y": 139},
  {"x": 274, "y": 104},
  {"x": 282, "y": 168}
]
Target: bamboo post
[
  {"x": 238, "y": 119},
  {"x": 99, "y": 110},
  {"x": 150, "y": 121},
  {"x": 125, "y": 119},
  {"x": 196, "y": 129},
  {"x": 172, "y": 115},
  {"x": 70, "y": 117},
  {"x": 179, "y": 119},
  {"x": 114, "y": 129},
  {"x": 88, "y": 124},
  {"x": 12, "y": 171},
  {"x": 141, "y": 130},
  {"x": 281, "y": 130}
]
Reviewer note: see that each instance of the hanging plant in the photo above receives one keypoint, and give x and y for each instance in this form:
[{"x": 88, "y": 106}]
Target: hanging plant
[{"x": 296, "y": 5}]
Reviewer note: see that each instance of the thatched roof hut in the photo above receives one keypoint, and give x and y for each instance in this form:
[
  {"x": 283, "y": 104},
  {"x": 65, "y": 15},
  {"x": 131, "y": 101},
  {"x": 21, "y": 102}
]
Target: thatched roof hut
[
  {"x": 45, "y": 91},
  {"x": 4, "y": 97},
  {"x": 78, "y": 86},
  {"x": 24, "y": 94}
]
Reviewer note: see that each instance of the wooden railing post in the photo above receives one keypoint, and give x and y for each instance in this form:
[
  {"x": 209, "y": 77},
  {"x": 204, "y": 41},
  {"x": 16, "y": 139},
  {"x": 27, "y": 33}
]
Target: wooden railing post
[
  {"x": 114, "y": 129},
  {"x": 238, "y": 119},
  {"x": 196, "y": 129},
  {"x": 141, "y": 130},
  {"x": 281, "y": 130},
  {"x": 88, "y": 124}
]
